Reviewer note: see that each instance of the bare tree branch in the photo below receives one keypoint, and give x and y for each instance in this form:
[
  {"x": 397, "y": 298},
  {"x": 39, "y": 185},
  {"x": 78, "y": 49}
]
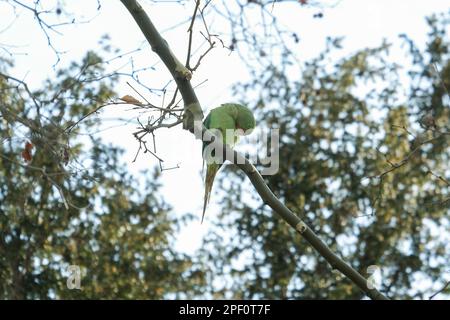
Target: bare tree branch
[
  {"x": 192, "y": 105},
  {"x": 440, "y": 291},
  {"x": 180, "y": 73}
]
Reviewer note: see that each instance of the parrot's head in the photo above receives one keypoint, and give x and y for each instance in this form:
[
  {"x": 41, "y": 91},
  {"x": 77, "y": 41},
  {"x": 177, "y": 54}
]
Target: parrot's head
[{"x": 245, "y": 119}]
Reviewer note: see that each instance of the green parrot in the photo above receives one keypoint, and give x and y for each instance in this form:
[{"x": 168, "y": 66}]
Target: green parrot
[{"x": 229, "y": 116}]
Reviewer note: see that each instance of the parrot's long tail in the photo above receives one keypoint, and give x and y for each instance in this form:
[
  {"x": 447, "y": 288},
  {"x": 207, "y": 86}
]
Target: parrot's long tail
[{"x": 211, "y": 170}]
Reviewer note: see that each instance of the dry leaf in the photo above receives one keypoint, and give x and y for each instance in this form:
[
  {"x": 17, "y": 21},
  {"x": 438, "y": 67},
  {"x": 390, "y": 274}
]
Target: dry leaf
[
  {"x": 131, "y": 100},
  {"x": 66, "y": 156},
  {"x": 26, "y": 153}
]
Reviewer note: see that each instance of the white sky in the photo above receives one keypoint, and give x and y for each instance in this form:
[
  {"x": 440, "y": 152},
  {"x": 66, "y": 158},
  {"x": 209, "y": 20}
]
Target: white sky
[{"x": 363, "y": 23}]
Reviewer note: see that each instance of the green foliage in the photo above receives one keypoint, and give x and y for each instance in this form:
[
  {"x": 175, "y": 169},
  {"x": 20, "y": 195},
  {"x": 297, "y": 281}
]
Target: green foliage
[
  {"x": 357, "y": 165},
  {"x": 76, "y": 204}
]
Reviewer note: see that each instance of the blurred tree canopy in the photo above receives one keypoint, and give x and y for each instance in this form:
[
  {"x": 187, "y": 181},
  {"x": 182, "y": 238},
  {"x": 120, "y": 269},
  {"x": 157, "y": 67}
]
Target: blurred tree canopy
[
  {"x": 364, "y": 160},
  {"x": 76, "y": 204}
]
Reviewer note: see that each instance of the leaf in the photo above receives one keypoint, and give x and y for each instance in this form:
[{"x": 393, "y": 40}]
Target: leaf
[
  {"x": 131, "y": 100},
  {"x": 66, "y": 156},
  {"x": 26, "y": 153}
]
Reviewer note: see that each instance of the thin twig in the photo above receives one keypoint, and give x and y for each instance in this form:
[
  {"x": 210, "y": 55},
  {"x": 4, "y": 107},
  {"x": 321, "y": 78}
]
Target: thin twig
[
  {"x": 440, "y": 291},
  {"x": 191, "y": 31}
]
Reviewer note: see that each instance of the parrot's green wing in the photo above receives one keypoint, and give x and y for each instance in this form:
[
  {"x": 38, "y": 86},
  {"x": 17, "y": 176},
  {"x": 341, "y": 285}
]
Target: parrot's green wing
[{"x": 229, "y": 116}]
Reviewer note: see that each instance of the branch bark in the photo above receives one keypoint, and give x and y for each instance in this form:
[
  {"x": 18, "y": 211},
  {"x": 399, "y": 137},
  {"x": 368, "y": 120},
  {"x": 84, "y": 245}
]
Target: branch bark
[
  {"x": 160, "y": 46},
  {"x": 180, "y": 73}
]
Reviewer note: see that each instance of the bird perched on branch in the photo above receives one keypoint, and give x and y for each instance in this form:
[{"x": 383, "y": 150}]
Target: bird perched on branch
[{"x": 228, "y": 121}]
